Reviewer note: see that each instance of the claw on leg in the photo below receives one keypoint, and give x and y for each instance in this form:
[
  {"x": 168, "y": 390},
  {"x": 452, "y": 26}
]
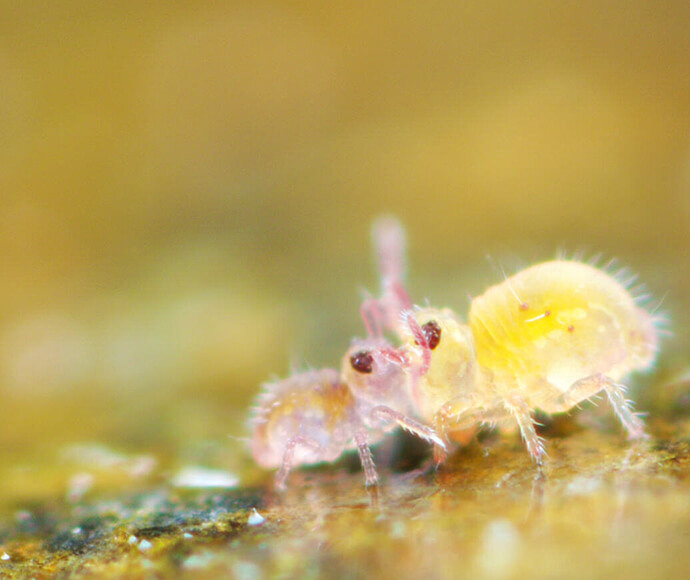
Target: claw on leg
[
  {"x": 440, "y": 456},
  {"x": 623, "y": 409},
  {"x": 590, "y": 386},
  {"x": 366, "y": 458},
  {"x": 519, "y": 409}
]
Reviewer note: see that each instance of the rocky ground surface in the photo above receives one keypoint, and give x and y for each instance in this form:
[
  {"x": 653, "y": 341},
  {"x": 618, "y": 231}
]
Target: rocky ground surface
[{"x": 601, "y": 508}]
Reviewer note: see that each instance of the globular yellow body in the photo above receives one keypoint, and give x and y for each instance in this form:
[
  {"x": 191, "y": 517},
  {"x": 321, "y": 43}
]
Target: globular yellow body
[
  {"x": 547, "y": 338},
  {"x": 556, "y": 323}
]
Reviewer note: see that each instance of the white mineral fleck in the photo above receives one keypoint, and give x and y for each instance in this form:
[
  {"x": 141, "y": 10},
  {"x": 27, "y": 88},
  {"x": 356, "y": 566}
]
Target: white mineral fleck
[
  {"x": 100, "y": 457},
  {"x": 78, "y": 485},
  {"x": 144, "y": 545},
  {"x": 255, "y": 518},
  {"x": 200, "y": 561},
  {"x": 5, "y": 556},
  {"x": 194, "y": 476}
]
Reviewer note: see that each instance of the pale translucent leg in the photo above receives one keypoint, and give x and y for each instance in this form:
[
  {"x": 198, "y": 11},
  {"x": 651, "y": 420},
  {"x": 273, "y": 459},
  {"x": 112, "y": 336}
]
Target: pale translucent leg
[
  {"x": 461, "y": 414},
  {"x": 422, "y": 431},
  {"x": 440, "y": 451},
  {"x": 441, "y": 422},
  {"x": 440, "y": 455},
  {"x": 520, "y": 411},
  {"x": 447, "y": 418},
  {"x": 590, "y": 386},
  {"x": 293, "y": 442},
  {"x": 432, "y": 462},
  {"x": 366, "y": 458}
]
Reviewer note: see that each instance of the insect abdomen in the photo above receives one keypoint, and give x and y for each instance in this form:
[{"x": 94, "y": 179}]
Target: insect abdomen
[{"x": 559, "y": 314}]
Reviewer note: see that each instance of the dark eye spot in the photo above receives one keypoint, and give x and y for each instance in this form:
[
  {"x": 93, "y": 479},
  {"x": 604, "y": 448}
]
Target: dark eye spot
[
  {"x": 432, "y": 333},
  {"x": 362, "y": 361}
]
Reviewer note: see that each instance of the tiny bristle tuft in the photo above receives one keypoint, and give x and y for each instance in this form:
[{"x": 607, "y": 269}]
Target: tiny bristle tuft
[
  {"x": 595, "y": 260},
  {"x": 662, "y": 323},
  {"x": 577, "y": 255}
]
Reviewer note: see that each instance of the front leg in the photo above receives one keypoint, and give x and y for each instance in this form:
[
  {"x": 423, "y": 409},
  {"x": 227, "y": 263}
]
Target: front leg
[{"x": 409, "y": 424}]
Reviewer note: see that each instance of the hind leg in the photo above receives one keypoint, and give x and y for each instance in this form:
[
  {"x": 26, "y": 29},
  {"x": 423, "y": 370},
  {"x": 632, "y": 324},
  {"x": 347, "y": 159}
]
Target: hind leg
[
  {"x": 590, "y": 386},
  {"x": 288, "y": 453}
]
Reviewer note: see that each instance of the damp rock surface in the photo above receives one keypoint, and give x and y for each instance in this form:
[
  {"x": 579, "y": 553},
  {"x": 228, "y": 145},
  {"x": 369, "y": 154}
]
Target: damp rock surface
[{"x": 601, "y": 506}]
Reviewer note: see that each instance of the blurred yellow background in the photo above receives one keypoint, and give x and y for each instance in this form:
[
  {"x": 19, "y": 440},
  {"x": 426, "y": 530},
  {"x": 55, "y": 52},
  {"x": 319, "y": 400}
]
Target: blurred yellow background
[{"x": 187, "y": 188}]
